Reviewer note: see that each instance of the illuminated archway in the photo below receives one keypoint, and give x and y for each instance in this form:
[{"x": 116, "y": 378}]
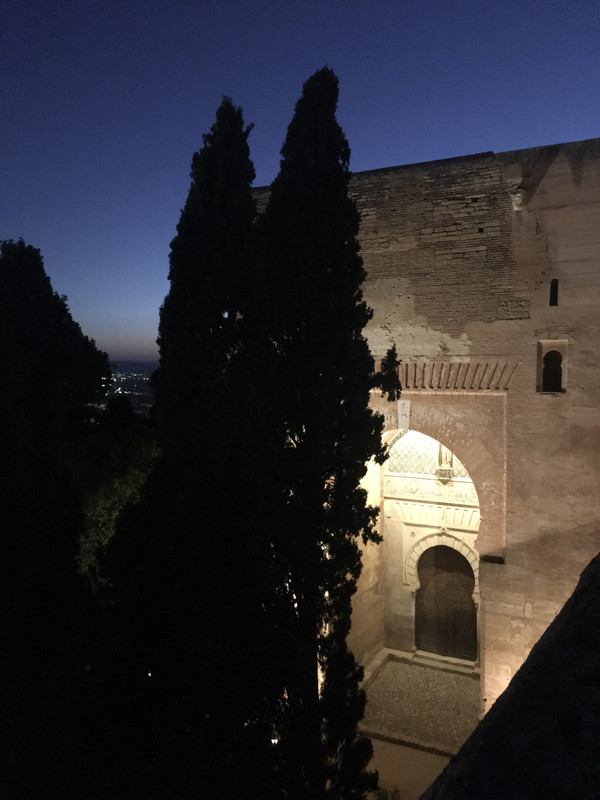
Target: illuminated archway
[
  {"x": 429, "y": 501},
  {"x": 464, "y": 427}
]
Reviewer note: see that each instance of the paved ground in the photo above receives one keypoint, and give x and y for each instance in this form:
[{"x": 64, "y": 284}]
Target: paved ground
[
  {"x": 432, "y": 710},
  {"x": 406, "y": 769}
]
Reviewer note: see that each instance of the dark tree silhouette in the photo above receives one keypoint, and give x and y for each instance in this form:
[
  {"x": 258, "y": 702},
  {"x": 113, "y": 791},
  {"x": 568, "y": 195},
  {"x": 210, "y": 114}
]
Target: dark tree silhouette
[
  {"x": 50, "y": 370},
  {"x": 227, "y": 665},
  {"x": 185, "y": 566},
  {"x": 323, "y": 374}
]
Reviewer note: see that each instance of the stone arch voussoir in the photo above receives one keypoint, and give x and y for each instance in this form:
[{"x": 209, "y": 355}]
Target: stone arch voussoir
[{"x": 447, "y": 539}]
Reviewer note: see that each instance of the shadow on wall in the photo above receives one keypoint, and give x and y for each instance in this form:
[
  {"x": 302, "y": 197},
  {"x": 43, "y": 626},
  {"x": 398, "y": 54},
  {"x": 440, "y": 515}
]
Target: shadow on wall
[{"x": 541, "y": 739}]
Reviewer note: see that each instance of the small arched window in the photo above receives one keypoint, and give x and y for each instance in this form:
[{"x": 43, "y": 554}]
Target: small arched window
[
  {"x": 554, "y": 292},
  {"x": 552, "y": 372},
  {"x": 552, "y": 366}
]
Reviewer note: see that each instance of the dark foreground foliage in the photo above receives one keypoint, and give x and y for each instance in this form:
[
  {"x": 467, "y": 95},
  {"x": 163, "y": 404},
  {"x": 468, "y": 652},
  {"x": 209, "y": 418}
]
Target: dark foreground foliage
[
  {"x": 50, "y": 373},
  {"x": 232, "y": 577},
  {"x": 322, "y": 370},
  {"x": 177, "y": 611}
]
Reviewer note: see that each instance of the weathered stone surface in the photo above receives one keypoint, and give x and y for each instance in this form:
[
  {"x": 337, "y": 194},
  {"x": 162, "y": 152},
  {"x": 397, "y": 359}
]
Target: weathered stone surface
[{"x": 459, "y": 273}]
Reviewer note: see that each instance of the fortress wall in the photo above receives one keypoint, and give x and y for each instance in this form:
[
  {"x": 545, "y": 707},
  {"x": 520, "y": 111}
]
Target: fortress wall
[{"x": 460, "y": 255}]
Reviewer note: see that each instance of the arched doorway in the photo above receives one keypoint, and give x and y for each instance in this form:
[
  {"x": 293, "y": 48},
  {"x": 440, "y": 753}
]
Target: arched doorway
[
  {"x": 429, "y": 500},
  {"x": 445, "y": 613}
]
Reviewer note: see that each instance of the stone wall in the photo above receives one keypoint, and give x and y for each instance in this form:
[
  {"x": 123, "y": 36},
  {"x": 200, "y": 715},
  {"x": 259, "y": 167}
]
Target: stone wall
[{"x": 460, "y": 255}]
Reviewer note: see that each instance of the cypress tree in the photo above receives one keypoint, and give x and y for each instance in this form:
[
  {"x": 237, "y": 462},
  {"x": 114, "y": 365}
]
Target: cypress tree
[
  {"x": 199, "y": 320},
  {"x": 322, "y": 376},
  {"x": 233, "y": 576},
  {"x": 185, "y": 564}
]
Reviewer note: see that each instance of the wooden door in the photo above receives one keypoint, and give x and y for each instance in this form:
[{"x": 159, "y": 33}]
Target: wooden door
[{"x": 445, "y": 614}]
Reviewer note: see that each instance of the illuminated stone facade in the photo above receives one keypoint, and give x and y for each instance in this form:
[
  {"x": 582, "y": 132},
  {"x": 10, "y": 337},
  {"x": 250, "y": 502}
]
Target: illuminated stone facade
[{"x": 485, "y": 273}]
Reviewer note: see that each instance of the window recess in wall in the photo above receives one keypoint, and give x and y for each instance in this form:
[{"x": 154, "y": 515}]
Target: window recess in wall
[
  {"x": 554, "y": 292},
  {"x": 552, "y": 366}
]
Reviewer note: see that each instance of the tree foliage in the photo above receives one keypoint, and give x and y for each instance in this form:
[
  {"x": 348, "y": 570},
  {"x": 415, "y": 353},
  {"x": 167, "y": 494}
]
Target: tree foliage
[
  {"x": 323, "y": 376},
  {"x": 119, "y": 453},
  {"x": 232, "y": 578},
  {"x": 182, "y": 565},
  {"x": 50, "y": 371},
  {"x": 199, "y": 321}
]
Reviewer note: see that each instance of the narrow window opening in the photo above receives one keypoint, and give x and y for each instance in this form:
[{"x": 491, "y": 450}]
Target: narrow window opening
[
  {"x": 552, "y": 372},
  {"x": 554, "y": 292}
]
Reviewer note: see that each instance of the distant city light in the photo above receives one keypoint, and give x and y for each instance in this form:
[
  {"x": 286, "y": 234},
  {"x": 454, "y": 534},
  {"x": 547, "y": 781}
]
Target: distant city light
[{"x": 136, "y": 386}]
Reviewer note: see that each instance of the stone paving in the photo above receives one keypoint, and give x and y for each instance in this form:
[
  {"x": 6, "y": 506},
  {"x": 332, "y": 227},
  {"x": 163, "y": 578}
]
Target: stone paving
[
  {"x": 406, "y": 769},
  {"x": 434, "y": 709}
]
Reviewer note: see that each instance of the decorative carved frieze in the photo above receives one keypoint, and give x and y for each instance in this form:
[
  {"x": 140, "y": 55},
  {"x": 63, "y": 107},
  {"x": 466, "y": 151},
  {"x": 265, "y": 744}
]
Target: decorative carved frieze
[
  {"x": 432, "y": 491},
  {"x": 459, "y": 518},
  {"x": 491, "y": 376}
]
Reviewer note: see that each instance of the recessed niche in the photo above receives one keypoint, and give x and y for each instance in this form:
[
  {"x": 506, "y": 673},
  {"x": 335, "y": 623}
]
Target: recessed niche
[{"x": 552, "y": 364}]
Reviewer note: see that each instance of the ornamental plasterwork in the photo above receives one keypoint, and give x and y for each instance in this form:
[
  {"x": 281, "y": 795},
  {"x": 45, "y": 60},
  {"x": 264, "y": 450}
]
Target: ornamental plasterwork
[
  {"x": 463, "y": 518},
  {"x": 415, "y": 488}
]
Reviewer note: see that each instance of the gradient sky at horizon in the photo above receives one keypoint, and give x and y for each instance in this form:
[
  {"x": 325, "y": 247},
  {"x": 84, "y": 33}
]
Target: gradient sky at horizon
[{"x": 104, "y": 102}]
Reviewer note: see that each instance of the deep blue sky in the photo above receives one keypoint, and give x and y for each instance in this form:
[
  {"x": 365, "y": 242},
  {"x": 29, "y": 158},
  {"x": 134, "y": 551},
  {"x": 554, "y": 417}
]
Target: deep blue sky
[{"x": 103, "y": 104}]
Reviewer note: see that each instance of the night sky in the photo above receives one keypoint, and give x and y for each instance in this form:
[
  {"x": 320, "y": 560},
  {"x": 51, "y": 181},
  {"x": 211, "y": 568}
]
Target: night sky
[{"x": 103, "y": 104}]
